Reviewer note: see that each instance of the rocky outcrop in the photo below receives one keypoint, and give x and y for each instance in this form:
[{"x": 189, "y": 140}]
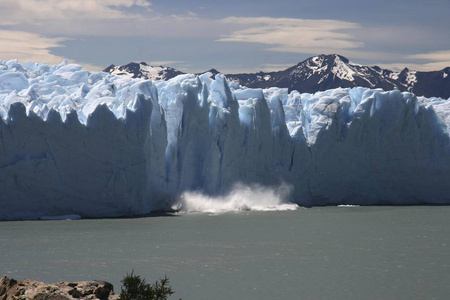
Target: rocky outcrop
[{"x": 27, "y": 289}]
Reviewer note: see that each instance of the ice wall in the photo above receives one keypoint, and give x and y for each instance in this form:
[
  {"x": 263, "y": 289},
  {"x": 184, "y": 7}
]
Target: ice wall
[{"x": 94, "y": 144}]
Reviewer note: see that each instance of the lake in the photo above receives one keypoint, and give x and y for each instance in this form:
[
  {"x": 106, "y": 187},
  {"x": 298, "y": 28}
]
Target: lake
[{"x": 308, "y": 253}]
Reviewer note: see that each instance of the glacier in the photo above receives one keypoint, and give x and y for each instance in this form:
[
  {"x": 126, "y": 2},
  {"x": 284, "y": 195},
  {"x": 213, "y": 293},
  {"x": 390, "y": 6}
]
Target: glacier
[{"x": 93, "y": 144}]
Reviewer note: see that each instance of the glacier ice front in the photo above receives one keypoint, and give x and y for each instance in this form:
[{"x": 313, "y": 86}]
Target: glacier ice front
[{"x": 74, "y": 142}]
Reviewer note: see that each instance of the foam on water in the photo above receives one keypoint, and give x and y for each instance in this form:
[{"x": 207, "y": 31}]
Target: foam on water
[
  {"x": 241, "y": 198},
  {"x": 62, "y": 217}
]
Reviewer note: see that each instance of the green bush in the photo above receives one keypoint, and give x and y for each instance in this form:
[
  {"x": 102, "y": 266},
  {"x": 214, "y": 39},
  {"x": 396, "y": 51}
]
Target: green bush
[{"x": 135, "y": 288}]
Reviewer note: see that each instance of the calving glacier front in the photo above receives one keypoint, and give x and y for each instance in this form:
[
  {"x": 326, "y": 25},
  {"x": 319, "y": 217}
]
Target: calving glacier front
[{"x": 94, "y": 144}]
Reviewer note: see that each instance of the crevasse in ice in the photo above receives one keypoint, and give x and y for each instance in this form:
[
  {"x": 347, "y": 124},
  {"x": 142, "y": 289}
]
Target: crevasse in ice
[{"x": 95, "y": 144}]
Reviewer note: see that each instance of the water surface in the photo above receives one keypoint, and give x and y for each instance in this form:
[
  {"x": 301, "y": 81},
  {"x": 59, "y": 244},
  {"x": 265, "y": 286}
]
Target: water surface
[{"x": 315, "y": 253}]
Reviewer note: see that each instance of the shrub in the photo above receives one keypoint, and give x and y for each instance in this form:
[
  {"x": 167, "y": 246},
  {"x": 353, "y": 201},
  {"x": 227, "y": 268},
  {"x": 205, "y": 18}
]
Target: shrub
[{"x": 135, "y": 288}]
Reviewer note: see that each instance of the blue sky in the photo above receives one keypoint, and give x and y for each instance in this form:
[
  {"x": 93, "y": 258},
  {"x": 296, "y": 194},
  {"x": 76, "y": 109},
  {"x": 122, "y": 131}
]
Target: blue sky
[{"x": 231, "y": 36}]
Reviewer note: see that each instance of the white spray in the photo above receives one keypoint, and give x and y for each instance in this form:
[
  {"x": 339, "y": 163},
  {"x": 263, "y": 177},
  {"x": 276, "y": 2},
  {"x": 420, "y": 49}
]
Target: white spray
[{"x": 241, "y": 198}]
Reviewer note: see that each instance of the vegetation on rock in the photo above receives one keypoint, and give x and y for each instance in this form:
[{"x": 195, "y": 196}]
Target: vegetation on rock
[{"x": 135, "y": 288}]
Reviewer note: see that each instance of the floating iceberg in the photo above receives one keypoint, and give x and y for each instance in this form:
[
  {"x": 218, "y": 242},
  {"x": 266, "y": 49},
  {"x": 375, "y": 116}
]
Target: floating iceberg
[{"x": 74, "y": 142}]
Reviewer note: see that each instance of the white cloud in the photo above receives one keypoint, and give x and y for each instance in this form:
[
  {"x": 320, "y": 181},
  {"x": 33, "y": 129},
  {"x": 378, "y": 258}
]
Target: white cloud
[
  {"x": 31, "y": 11},
  {"x": 294, "y": 35},
  {"x": 434, "y": 66},
  {"x": 433, "y": 61},
  {"x": 124, "y": 18},
  {"x": 434, "y": 56},
  {"x": 437, "y": 60},
  {"x": 26, "y": 46},
  {"x": 189, "y": 16},
  {"x": 165, "y": 63},
  {"x": 273, "y": 67},
  {"x": 90, "y": 67}
]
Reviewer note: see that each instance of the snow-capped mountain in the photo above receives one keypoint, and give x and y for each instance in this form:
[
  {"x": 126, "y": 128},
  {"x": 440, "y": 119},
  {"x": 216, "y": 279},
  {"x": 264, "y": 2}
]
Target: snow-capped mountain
[
  {"x": 319, "y": 73},
  {"x": 324, "y": 72},
  {"x": 143, "y": 70}
]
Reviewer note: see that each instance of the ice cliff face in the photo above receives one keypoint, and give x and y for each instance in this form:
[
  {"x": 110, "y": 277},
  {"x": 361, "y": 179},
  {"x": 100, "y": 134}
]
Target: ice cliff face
[{"x": 94, "y": 144}]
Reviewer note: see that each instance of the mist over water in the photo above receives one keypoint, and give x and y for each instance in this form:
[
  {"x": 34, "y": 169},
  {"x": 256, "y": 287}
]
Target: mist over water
[{"x": 241, "y": 198}]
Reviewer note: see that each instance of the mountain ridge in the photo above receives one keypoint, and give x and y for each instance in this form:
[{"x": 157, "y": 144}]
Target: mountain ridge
[{"x": 317, "y": 73}]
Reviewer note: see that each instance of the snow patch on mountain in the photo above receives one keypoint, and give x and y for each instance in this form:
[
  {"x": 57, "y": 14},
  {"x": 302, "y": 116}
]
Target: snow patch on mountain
[
  {"x": 394, "y": 75},
  {"x": 411, "y": 78},
  {"x": 143, "y": 70},
  {"x": 342, "y": 70}
]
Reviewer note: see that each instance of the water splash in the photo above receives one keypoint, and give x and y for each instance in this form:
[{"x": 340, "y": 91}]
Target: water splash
[{"x": 241, "y": 198}]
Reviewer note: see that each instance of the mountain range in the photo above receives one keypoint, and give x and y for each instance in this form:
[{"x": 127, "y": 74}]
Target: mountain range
[{"x": 317, "y": 73}]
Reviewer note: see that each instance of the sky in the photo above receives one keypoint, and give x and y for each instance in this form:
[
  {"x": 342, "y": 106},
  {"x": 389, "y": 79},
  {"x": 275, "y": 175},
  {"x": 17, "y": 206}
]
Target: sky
[{"x": 233, "y": 36}]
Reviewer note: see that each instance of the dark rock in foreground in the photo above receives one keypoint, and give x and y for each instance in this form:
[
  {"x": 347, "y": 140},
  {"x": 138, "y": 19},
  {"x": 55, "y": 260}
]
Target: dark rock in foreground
[{"x": 30, "y": 289}]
